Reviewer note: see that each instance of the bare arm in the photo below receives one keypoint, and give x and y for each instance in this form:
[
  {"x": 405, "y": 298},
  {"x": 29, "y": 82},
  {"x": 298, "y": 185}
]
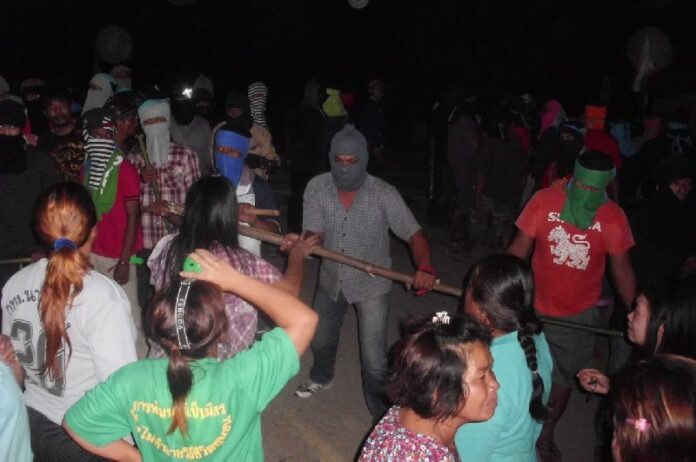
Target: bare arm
[
  {"x": 288, "y": 312},
  {"x": 8, "y": 356},
  {"x": 521, "y": 245},
  {"x": 123, "y": 266},
  {"x": 424, "y": 278},
  {"x": 298, "y": 248},
  {"x": 624, "y": 278},
  {"x": 118, "y": 450}
]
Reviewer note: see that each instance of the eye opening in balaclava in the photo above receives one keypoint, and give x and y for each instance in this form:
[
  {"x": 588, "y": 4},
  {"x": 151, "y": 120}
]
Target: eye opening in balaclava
[
  {"x": 593, "y": 171},
  {"x": 349, "y": 141}
]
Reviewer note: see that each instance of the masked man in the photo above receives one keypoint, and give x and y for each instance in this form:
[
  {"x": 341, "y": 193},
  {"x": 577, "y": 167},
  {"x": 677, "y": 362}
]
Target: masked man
[
  {"x": 262, "y": 154},
  {"x": 114, "y": 186},
  {"x": 572, "y": 227},
  {"x": 353, "y": 212},
  {"x": 101, "y": 88},
  {"x": 189, "y": 129},
  {"x": 230, "y": 151},
  {"x": 171, "y": 168},
  {"x": 24, "y": 173}
]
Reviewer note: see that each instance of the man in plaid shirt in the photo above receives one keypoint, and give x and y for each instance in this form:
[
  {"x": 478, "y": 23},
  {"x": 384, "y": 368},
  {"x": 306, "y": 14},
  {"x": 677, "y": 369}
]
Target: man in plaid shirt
[{"x": 171, "y": 168}]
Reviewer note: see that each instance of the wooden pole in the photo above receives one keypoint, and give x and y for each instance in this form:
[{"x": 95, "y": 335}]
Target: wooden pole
[
  {"x": 369, "y": 268},
  {"x": 276, "y": 239}
]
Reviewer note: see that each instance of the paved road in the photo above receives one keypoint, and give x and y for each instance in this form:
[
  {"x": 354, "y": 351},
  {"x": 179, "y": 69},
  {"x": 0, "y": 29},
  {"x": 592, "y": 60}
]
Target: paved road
[{"x": 331, "y": 425}]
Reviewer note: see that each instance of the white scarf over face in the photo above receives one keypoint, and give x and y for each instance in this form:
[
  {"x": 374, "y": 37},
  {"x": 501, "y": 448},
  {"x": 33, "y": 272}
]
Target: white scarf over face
[
  {"x": 157, "y": 133},
  {"x": 99, "y": 91}
]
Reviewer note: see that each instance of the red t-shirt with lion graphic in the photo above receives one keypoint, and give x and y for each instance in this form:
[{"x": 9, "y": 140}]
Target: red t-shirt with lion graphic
[{"x": 568, "y": 263}]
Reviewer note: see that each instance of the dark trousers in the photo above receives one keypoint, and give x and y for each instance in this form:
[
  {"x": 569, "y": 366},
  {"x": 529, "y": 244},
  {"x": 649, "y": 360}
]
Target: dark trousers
[
  {"x": 372, "y": 336},
  {"x": 49, "y": 442}
]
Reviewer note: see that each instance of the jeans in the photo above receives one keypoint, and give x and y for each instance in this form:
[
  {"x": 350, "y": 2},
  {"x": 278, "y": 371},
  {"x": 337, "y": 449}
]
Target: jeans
[{"x": 372, "y": 335}]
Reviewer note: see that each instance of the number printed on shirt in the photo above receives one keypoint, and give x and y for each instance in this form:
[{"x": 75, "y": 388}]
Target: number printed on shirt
[{"x": 22, "y": 332}]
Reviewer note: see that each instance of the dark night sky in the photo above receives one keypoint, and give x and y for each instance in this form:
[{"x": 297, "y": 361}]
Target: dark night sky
[{"x": 419, "y": 46}]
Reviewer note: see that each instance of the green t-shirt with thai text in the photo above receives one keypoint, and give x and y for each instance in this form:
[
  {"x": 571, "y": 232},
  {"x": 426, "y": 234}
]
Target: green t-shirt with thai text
[{"x": 223, "y": 409}]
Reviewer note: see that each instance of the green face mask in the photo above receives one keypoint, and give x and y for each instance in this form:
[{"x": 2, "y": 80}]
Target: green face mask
[{"x": 581, "y": 204}]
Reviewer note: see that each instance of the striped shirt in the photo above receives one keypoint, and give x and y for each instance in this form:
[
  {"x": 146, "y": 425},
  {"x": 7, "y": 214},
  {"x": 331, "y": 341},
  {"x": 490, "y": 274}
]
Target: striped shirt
[{"x": 361, "y": 232}]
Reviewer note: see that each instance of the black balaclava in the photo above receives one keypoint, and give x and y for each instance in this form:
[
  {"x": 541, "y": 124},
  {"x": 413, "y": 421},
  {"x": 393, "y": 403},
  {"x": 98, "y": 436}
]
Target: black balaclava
[
  {"x": 181, "y": 104},
  {"x": 203, "y": 103},
  {"x": 183, "y": 111},
  {"x": 571, "y": 141},
  {"x": 13, "y": 158},
  {"x": 349, "y": 141},
  {"x": 242, "y": 124}
]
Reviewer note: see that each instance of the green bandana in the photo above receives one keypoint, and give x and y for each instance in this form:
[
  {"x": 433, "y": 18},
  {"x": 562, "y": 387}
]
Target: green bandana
[
  {"x": 105, "y": 196},
  {"x": 581, "y": 204}
]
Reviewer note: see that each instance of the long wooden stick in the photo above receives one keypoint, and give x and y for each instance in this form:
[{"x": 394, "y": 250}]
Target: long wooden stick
[
  {"x": 178, "y": 209},
  {"x": 15, "y": 261},
  {"x": 155, "y": 186},
  {"x": 369, "y": 268}
]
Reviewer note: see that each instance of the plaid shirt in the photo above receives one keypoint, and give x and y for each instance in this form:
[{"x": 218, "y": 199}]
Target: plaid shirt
[
  {"x": 241, "y": 315},
  {"x": 361, "y": 232},
  {"x": 175, "y": 179}
]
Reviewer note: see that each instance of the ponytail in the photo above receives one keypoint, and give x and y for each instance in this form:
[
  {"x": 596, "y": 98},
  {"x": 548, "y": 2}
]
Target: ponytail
[
  {"x": 530, "y": 325},
  {"x": 205, "y": 322},
  {"x": 64, "y": 273},
  {"x": 64, "y": 216},
  {"x": 180, "y": 379}
]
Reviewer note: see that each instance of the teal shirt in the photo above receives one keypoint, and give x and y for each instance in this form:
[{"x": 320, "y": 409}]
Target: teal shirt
[
  {"x": 511, "y": 434},
  {"x": 223, "y": 409},
  {"x": 14, "y": 423}
]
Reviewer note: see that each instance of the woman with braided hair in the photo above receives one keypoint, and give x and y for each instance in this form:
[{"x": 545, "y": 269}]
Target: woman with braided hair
[{"x": 499, "y": 291}]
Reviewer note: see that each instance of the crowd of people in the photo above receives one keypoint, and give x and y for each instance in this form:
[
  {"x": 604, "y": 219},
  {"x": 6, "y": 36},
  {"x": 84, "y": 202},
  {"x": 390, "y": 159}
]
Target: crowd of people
[{"x": 132, "y": 332}]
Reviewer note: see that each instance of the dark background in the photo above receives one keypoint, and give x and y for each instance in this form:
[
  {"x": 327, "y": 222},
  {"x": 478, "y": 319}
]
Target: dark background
[{"x": 549, "y": 48}]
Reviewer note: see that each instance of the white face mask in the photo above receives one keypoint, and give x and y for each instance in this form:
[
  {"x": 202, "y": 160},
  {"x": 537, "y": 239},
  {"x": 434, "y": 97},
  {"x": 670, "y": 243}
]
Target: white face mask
[
  {"x": 156, "y": 131},
  {"x": 157, "y": 140}
]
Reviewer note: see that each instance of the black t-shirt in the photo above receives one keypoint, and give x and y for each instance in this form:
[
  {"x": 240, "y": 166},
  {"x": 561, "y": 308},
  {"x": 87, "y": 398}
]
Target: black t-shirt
[
  {"x": 67, "y": 152},
  {"x": 18, "y": 192}
]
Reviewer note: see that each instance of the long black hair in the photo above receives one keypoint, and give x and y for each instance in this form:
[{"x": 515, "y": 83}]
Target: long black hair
[
  {"x": 210, "y": 216},
  {"x": 503, "y": 287},
  {"x": 205, "y": 322}
]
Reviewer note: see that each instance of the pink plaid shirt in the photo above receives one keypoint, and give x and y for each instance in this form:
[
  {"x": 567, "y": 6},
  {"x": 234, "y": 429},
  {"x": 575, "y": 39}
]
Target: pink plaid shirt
[
  {"x": 241, "y": 315},
  {"x": 175, "y": 178}
]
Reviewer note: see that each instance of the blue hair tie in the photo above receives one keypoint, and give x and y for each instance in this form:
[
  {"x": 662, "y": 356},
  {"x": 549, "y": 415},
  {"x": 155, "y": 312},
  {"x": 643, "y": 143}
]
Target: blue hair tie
[{"x": 63, "y": 243}]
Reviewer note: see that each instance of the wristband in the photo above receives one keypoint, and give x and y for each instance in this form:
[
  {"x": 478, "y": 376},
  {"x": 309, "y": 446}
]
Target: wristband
[{"x": 427, "y": 269}]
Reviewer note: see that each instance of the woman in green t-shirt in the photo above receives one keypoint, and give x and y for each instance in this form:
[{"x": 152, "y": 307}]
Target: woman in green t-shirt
[{"x": 183, "y": 406}]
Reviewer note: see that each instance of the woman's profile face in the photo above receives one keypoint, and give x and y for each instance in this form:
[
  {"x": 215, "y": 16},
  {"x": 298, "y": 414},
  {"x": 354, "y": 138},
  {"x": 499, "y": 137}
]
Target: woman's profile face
[
  {"x": 482, "y": 384},
  {"x": 638, "y": 320}
]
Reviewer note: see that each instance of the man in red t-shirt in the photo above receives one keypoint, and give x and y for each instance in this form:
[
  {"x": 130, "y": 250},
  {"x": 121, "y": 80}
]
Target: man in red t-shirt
[
  {"x": 572, "y": 227},
  {"x": 114, "y": 184}
]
